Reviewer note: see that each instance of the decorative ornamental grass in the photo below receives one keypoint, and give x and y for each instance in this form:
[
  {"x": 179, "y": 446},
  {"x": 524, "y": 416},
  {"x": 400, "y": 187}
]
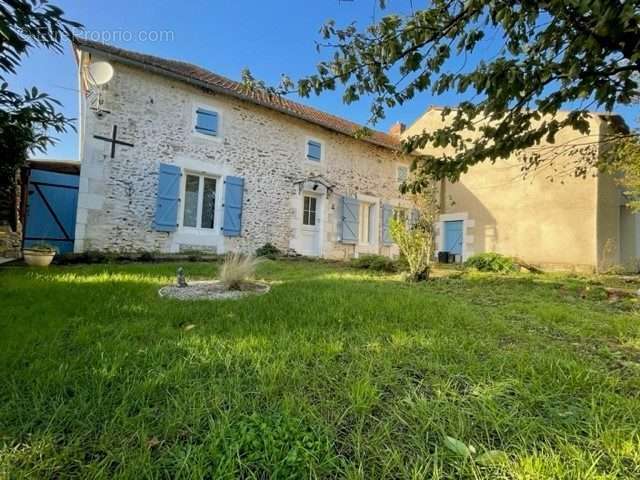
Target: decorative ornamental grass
[{"x": 336, "y": 373}]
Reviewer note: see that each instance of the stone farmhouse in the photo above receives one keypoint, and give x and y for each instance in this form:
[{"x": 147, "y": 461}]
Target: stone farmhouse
[
  {"x": 212, "y": 167},
  {"x": 175, "y": 158}
]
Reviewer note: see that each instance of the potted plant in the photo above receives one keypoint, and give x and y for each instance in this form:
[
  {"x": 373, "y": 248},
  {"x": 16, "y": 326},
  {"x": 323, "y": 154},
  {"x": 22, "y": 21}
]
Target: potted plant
[{"x": 40, "y": 255}]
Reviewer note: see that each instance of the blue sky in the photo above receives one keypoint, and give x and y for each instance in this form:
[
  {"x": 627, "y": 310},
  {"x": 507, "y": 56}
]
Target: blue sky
[{"x": 269, "y": 37}]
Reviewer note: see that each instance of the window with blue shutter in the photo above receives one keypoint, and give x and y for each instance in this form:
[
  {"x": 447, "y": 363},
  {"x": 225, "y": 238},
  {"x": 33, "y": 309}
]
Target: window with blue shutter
[
  {"x": 167, "y": 198},
  {"x": 415, "y": 217},
  {"x": 207, "y": 122},
  {"x": 314, "y": 150},
  {"x": 350, "y": 219},
  {"x": 387, "y": 215},
  {"x": 199, "y": 201},
  {"x": 233, "y": 195}
]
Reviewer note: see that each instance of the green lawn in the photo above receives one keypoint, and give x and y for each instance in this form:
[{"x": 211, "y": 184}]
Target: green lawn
[{"x": 334, "y": 373}]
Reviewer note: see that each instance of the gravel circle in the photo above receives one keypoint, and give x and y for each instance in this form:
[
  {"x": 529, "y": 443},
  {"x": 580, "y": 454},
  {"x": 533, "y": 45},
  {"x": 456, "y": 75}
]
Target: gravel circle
[{"x": 208, "y": 290}]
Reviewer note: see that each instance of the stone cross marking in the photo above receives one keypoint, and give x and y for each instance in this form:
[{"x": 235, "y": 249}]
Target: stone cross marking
[{"x": 113, "y": 140}]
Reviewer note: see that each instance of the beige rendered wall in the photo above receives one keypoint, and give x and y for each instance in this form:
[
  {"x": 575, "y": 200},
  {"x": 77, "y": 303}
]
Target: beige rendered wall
[
  {"x": 552, "y": 224},
  {"x": 611, "y": 232},
  {"x": 629, "y": 239}
]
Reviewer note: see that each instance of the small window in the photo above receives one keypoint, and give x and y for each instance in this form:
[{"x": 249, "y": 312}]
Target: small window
[
  {"x": 191, "y": 192},
  {"x": 402, "y": 173},
  {"x": 199, "y": 202},
  {"x": 366, "y": 223},
  {"x": 309, "y": 211},
  {"x": 314, "y": 151},
  {"x": 207, "y": 122},
  {"x": 400, "y": 214},
  {"x": 208, "y": 202}
]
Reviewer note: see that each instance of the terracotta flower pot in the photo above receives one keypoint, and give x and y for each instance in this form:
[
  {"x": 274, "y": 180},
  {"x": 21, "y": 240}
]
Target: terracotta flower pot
[{"x": 38, "y": 258}]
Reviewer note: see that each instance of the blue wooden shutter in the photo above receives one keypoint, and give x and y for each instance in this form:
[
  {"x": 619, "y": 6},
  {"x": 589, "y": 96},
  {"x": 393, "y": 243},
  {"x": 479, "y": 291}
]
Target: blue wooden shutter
[
  {"x": 168, "y": 198},
  {"x": 387, "y": 215},
  {"x": 233, "y": 194},
  {"x": 415, "y": 217},
  {"x": 350, "y": 212},
  {"x": 314, "y": 150},
  {"x": 207, "y": 122}
]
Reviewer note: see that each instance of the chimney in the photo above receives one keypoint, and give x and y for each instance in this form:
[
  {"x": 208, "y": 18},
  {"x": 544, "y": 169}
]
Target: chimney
[{"x": 396, "y": 129}]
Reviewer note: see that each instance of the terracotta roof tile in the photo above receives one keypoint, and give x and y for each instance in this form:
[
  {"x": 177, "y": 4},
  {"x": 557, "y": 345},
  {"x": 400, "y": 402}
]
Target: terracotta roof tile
[{"x": 211, "y": 81}]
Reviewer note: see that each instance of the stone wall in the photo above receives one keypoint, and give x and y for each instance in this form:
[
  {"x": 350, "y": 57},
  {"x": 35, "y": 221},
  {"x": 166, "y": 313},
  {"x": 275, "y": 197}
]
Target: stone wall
[{"x": 117, "y": 195}]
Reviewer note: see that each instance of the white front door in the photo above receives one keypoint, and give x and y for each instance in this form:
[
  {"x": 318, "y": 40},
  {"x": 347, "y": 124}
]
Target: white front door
[{"x": 310, "y": 228}]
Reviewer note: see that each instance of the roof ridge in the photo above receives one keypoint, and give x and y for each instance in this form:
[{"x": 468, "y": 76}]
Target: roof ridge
[{"x": 203, "y": 78}]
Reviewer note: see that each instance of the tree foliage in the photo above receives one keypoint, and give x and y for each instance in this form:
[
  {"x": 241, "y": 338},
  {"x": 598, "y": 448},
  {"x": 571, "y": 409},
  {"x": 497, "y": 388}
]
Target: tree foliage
[
  {"x": 555, "y": 53},
  {"x": 28, "y": 118},
  {"x": 416, "y": 239},
  {"x": 490, "y": 262},
  {"x": 624, "y": 165}
]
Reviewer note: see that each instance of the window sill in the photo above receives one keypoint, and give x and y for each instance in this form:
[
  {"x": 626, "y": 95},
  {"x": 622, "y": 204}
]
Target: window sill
[
  {"x": 314, "y": 166},
  {"x": 197, "y": 237},
  {"x": 204, "y": 136},
  {"x": 200, "y": 231}
]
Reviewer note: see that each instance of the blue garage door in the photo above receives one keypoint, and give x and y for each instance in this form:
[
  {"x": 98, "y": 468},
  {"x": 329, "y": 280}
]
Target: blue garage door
[
  {"x": 453, "y": 237},
  {"x": 51, "y": 209}
]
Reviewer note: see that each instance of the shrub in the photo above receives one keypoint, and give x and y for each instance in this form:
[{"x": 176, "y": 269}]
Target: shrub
[
  {"x": 379, "y": 263},
  {"x": 42, "y": 247},
  {"x": 89, "y": 257},
  {"x": 237, "y": 269},
  {"x": 416, "y": 245},
  {"x": 268, "y": 250},
  {"x": 490, "y": 262},
  {"x": 146, "y": 256}
]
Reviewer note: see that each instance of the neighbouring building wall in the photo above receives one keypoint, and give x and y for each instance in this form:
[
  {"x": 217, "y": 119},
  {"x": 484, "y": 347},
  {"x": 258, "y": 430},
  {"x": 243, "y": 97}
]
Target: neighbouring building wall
[
  {"x": 629, "y": 239},
  {"x": 615, "y": 244},
  {"x": 268, "y": 149},
  {"x": 555, "y": 224},
  {"x": 610, "y": 229}
]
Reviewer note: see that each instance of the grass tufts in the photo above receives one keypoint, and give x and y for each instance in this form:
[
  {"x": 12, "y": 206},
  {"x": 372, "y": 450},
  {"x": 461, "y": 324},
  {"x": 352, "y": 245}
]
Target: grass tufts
[{"x": 237, "y": 270}]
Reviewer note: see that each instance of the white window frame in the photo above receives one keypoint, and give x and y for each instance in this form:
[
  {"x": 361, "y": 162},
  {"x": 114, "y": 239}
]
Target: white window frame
[
  {"x": 398, "y": 167},
  {"x": 315, "y": 211},
  {"x": 397, "y": 203},
  {"x": 306, "y": 151},
  {"x": 361, "y": 219},
  {"x": 406, "y": 210},
  {"x": 374, "y": 223},
  {"x": 217, "y": 211},
  {"x": 194, "y": 121}
]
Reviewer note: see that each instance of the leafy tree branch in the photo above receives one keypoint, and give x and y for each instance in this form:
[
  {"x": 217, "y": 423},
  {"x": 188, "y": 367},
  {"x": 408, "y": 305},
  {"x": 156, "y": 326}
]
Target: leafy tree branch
[
  {"x": 555, "y": 54},
  {"x": 28, "y": 118}
]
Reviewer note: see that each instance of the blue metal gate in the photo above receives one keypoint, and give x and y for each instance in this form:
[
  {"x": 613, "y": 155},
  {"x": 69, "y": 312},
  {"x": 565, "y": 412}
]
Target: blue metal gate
[{"x": 51, "y": 209}]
